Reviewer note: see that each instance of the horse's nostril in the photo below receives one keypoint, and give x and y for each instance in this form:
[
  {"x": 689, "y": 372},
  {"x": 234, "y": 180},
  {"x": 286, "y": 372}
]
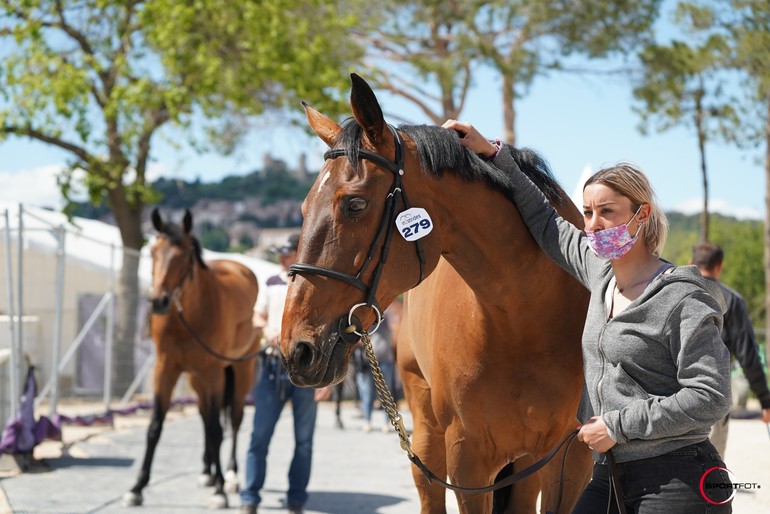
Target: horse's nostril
[
  {"x": 161, "y": 304},
  {"x": 303, "y": 355}
]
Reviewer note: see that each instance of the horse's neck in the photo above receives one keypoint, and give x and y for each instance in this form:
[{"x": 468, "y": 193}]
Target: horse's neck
[
  {"x": 490, "y": 247},
  {"x": 198, "y": 287}
]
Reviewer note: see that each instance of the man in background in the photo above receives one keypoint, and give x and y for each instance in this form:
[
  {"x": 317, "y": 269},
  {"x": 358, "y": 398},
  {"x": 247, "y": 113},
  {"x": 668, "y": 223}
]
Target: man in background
[
  {"x": 272, "y": 391},
  {"x": 738, "y": 335}
]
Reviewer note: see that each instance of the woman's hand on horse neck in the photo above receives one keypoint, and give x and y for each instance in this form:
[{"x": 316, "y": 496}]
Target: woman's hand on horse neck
[{"x": 471, "y": 138}]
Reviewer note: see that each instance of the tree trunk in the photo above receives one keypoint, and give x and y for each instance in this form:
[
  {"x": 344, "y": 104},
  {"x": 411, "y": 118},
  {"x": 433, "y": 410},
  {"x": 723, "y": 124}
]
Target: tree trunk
[
  {"x": 127, "y": 297},
  {"x": 704, "y": 215},
  {"x": 509, "y": 109},
  {"x": 767, "y": 221},
  {"x": 129, "y": 220}
]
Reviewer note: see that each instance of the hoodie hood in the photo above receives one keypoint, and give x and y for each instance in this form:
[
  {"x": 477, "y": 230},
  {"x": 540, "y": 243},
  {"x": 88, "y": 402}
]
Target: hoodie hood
[{"x": 692, "y": 275}]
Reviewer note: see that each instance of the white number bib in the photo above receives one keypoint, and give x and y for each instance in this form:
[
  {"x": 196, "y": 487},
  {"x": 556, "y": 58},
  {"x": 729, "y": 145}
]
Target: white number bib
[{"x": 414, "y": 223}]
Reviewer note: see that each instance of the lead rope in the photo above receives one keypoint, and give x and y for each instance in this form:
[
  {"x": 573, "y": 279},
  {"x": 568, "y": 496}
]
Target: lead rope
[{"x": 386, "y": 398}]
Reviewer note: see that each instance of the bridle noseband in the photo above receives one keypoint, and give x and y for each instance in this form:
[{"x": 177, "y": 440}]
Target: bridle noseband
[{"x": 352, "y": 330}]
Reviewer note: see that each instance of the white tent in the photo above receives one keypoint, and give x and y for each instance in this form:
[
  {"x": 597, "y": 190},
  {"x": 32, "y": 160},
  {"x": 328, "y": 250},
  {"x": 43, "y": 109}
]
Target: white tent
[{"x": 92, "y": 259}]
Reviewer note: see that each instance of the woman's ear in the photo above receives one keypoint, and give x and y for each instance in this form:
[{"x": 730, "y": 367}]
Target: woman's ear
[{"x": 644, "y": 213}]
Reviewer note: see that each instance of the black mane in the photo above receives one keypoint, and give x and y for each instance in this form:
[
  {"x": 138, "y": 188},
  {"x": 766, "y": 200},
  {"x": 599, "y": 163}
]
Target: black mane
[{"x": 440, "y": 151}]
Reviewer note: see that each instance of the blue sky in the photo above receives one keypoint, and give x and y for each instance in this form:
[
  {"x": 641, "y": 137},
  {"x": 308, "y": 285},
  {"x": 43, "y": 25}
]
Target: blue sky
[{"x": 573, "y": 121}]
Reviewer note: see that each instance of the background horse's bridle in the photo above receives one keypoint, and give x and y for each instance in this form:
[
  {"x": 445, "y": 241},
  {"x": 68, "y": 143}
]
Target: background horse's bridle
[{"x": 350, "y": 327}]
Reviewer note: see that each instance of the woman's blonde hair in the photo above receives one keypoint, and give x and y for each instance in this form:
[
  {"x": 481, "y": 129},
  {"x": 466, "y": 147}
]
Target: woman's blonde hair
[{"x": 628, "y": 180}]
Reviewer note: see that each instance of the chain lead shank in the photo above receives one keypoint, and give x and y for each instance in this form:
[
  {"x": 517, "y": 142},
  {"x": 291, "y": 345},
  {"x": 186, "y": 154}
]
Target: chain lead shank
[{"x": 386, "y": 398}]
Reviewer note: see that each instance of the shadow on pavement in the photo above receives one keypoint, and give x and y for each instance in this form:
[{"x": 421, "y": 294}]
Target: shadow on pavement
[
  {"x": 90, "y": 462},
  {"x": 333, "y": 502}
]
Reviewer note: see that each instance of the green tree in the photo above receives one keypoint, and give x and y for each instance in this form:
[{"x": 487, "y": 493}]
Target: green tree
[
  {"x": 99, "y": 79},
  {"x": 438, "y": 45},
  {"x": 744, "y": 25},
  {"x": 681, "y": 84}
]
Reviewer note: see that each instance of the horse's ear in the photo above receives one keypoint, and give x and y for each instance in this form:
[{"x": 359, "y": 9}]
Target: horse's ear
[
  {"x": 157, "y": 222},
  {"x": 324, "y": 128},
  {"x": 187, "y": 221},
  {"x": 367, "y": 110}
]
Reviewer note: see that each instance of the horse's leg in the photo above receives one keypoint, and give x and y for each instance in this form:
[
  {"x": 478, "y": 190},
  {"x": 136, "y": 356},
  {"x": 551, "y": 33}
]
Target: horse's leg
[
  {"x": 165, "y": 377},
  {"x": 243, "y": 376},
  {"x": 523, "y": 498},
  {"x": 427, "y": 443},
  {"x": 576, "y": 474},
  {"x": 206, "y": 479},
  {"x": 212, "y": 387},
  {"x": 470, "y": 465}
]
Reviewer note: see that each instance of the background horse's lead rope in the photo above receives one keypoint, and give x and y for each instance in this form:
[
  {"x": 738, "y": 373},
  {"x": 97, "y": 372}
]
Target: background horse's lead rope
[{"x": 386, "y": 398}]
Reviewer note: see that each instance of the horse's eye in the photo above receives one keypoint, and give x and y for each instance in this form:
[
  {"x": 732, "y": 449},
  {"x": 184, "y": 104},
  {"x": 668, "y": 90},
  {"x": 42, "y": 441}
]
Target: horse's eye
[{"x": 356, "y": 206}]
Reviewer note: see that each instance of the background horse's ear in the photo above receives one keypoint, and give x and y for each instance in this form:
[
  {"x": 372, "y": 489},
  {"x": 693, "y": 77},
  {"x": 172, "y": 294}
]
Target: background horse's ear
[
  {"x": 187, "y": 221},
  {"x": 157, "y": 222},
  {"x": 367, "y": 110},
  {"x": 324, "y": 128}
]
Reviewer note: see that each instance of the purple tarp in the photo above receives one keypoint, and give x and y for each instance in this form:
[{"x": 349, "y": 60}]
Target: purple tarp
[{"x": 23, "y": 433}]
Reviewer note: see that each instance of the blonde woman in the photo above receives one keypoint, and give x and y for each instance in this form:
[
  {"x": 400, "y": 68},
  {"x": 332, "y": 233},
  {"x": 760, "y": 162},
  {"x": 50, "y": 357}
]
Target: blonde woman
[{"x": 656, "y": 369}]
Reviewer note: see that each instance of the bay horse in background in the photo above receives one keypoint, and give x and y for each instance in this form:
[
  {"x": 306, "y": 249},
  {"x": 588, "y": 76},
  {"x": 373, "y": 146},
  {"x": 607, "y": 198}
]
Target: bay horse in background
[
  {"x": 489, "y": 349},
  {"x": 201, "y": 324}
]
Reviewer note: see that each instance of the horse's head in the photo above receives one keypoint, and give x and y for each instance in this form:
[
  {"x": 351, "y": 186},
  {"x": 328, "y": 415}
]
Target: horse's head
[
  {"x": 361, "y": 244},
  {"x": 174, "y": 254}
]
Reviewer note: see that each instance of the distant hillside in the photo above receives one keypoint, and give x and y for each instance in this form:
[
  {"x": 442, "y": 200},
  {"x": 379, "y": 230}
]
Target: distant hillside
[{"x": 267, "y": 186}]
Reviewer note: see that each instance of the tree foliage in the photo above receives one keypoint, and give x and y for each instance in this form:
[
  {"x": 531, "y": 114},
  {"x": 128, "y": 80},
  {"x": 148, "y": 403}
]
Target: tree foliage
[
  {"x": 440, "y": 45},
  {"x": 686, "y": 84},
  {"x": 677, "y": 79},
  {"x": 98, "y": 79}
]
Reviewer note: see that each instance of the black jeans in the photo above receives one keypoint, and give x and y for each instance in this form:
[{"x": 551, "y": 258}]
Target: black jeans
[{"x": 667, "y": 484}]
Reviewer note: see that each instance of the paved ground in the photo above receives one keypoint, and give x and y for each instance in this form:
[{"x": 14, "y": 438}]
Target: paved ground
[{"x": 353, "y": 472}]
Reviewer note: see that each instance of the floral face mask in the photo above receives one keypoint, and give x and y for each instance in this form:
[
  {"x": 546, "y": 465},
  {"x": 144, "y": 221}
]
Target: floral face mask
[{"x": 615, "y": 242}]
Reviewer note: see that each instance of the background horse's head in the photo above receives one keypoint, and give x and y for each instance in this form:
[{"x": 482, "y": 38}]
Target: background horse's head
[
  {"x": 353, "y": 257},
  {"x": 174, "y": 254}
]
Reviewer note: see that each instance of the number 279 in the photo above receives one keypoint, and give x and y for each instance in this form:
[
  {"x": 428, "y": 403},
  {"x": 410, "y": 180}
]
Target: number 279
[{"x": 415, "y": 228}]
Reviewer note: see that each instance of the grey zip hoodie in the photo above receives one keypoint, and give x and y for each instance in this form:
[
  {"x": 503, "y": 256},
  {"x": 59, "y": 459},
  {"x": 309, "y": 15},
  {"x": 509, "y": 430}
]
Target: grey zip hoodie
[{"x": 658, "y": 373}]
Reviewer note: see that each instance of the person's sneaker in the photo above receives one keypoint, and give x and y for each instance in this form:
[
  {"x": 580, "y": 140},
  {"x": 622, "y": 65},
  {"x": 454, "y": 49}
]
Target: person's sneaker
[
  {"x": 296, "y": 509},
  {"x": 367, "y": 428},
  {"x": 248, "y": 509}
]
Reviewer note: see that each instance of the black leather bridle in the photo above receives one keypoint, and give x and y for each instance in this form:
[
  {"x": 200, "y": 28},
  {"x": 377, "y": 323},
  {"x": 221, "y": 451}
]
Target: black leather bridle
[{"x": 385, "y": 229}]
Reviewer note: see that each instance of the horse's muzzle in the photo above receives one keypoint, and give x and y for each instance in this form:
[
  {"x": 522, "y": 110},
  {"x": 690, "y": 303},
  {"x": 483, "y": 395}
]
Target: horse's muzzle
[{"x": 311, "y": 365}]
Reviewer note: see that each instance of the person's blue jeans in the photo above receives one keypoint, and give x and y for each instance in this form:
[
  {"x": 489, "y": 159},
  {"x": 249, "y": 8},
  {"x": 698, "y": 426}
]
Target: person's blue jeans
[
  {"x": 367, "y": 390},
  {"x": 667, "y": 484},
  {"x": 272, "y": 392}
]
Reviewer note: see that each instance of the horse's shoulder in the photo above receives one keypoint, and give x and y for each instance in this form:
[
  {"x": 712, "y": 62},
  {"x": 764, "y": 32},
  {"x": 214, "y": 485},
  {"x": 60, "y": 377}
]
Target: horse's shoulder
[{"x": 225, "y": 269}]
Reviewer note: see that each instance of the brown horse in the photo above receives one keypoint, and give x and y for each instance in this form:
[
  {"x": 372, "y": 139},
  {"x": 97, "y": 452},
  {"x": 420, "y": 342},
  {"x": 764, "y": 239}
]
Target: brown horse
[
  {"x": 201, "y": 324},
  {"x": 489, "y": 347}
]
